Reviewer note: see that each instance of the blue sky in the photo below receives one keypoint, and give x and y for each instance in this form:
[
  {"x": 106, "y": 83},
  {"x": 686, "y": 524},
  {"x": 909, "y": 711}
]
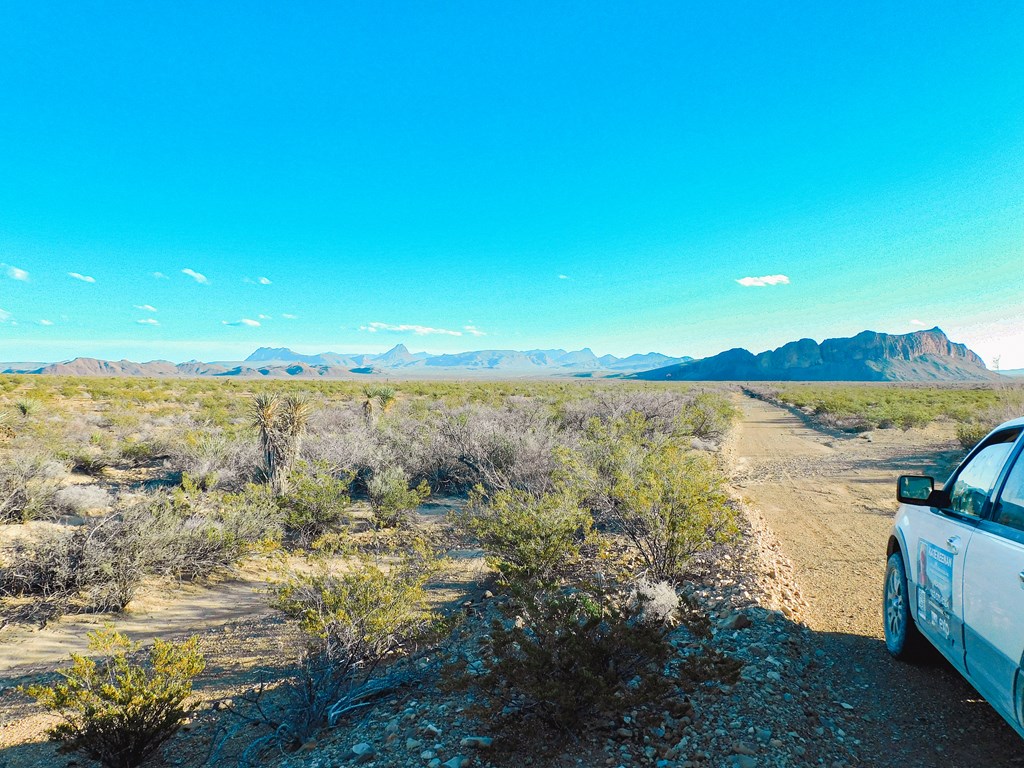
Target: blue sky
[{"x": 469, "y": 175}]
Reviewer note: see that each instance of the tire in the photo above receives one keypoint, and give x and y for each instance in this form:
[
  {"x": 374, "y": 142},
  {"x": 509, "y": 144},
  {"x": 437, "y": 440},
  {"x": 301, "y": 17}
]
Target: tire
[{"x": 903, "y": 639}]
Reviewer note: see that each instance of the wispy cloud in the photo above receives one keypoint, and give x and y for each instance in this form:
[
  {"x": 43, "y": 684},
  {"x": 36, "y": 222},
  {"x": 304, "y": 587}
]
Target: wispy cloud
[
  {"x": 148, "y": 321},
  {"x": 146, "y": 307},
  {"x": 46, "y": 322},
  {"x": 197, "y": 276},
  {"x": 4, "y": 315},
  {"x": 472, "y": 330},
  {"x": 759, "y": 282},
  {"x": 14, "y": 273},
  {"x": 160, "y": 276},
  {"x": 918, "y": 322},
  {"x": 257, "y": 281},
  {"x": 83, "y": 278},
  {"x": 419, "y": 330},
  {"x": 243, "y": 321},
  {"x": 287, "y": 316},
  {"x": 563, "y": 277},
  {"x": 264, "y": 317}
]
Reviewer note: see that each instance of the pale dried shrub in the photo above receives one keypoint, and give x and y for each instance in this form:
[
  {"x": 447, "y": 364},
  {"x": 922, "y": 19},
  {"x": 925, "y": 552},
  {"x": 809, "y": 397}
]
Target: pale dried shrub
[
  {"x": 76, "y": 499},
  {"x": 29, "y": 480}
]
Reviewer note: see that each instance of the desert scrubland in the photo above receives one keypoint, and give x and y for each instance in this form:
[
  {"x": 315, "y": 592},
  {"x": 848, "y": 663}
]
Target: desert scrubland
[{"x": 449, "y": 573}]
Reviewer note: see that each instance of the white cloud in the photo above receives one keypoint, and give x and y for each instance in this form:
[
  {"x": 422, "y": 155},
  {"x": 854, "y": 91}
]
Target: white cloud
[
  {"x": 146, "y": 307},
  {"x": 419, "y": 330},
  {"x": 257, "y": 281},
  {"x": 263, "y": 281},
  {"x": 472, "y": 330},
  {"x": 16, "y": 274},
  {"x": 563, "y": 277},
  {"x": 83, "y": 278},
  {"x": 4, "y": 315},
  {"x": 46, "y": 322},
  {"x": 763, "y": 281},
  {"x": 148, "y": 321},
  {"x": 286, "y": 316},
  {"x": 197, "y": 276},
  {"x": 160, "y": 276},
  {"x": 264, "y": 317},
  {"x": 243, "y": 321},
  {"x": 918, "y": 322}
]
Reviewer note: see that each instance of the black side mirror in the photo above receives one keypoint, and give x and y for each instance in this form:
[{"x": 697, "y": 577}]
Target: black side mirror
[{"x": 915, "y": 489}]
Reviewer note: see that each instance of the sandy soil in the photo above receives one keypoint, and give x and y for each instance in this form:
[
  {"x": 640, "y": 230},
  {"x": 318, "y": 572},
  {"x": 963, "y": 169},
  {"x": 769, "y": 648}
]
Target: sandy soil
[{"x": 829, "y": 500}]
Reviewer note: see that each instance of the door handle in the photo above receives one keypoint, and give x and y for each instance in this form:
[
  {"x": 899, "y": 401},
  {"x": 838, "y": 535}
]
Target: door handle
[
  {"x": 953, "y": 542},
  {"x": 1021, "y": 576}
]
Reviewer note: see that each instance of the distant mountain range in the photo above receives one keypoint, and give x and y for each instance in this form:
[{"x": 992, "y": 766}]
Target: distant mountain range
[
  {"x": 868, "y": 356},
  {"x": 282, "y": 362}
]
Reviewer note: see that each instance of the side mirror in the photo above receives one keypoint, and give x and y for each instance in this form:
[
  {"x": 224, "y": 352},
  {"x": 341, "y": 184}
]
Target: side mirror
[{"x": 915, "y": 489}]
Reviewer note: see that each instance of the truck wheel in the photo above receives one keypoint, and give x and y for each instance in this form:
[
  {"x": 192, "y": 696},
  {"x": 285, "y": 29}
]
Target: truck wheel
[{"x": 902, "y": 637}]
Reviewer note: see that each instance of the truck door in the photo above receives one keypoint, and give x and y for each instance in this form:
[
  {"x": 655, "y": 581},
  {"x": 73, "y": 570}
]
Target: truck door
[
  {"x": 941, "y": 542},
  {"x": 994, "y": 596}
]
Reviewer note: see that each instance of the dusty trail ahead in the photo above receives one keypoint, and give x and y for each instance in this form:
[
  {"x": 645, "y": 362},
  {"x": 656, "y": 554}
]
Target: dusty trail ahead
[{"x": 829, "y": 501}]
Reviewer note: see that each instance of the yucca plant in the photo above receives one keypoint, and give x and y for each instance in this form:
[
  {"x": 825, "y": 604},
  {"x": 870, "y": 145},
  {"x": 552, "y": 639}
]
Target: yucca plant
[
  {"x": 281, "y": 423},
  {"x": 379, "y": 399}
]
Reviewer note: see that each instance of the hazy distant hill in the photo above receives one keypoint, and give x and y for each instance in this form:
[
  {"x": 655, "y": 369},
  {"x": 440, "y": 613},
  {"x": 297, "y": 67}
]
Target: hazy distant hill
[
  {"x": 868, "y": 356},
  {"x": 281, "y": 362}
]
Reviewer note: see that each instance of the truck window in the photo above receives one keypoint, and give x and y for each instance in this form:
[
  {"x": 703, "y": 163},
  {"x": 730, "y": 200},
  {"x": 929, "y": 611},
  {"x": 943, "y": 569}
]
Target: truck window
[
  {"x": 976, "y": 480},
  {"x": 1010, "y": 507}
]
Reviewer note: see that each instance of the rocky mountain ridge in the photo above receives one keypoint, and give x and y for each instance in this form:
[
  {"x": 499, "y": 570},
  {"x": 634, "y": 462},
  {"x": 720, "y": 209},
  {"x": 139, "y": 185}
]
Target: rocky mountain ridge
[
  {"x": 869, "y": 356},
  {"x": 282, "y": 362}
]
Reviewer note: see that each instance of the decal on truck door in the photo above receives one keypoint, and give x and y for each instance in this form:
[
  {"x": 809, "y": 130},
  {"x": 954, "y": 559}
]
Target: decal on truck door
[{"x": 934, "y": 587}]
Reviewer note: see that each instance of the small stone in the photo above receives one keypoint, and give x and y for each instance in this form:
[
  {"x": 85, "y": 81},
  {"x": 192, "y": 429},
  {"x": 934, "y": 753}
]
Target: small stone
[
  {"x": 456, "y": 762},
  {"x": 413, "y": 744},
  {"x": 746, "y": 761},
  {"x": 741, "y": 748},
  {"x": 363, "y": 752},
  {"x": 737, "y": 620},
  {"x": 477, "y": 742}
]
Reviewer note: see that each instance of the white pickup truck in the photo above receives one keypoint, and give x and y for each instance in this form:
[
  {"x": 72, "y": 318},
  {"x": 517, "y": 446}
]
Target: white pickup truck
[{"x": 955, "y": 570}]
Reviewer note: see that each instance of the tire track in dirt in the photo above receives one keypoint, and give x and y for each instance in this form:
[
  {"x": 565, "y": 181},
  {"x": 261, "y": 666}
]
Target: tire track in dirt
[{"x": 829, "y": 502}]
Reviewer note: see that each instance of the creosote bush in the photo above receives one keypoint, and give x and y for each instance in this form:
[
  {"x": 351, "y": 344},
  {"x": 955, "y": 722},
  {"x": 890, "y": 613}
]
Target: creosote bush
[
  {"x": 672, "y": 507},
  {"x": 315, "y": 502},
  {"x": 575, "y": 651},
  {"x": 353, "y": 619},
  {"x": 527, "y": 537},
  {"x": 391, "y": 499},
  {"x": 116, "y": 711}
]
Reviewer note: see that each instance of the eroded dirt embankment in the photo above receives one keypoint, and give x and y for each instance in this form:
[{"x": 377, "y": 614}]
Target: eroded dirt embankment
[{"x": 828, "y": 500}]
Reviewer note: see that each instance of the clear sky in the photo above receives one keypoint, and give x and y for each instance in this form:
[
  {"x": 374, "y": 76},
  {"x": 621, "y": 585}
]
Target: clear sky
[{"x": 185, "y": 180}]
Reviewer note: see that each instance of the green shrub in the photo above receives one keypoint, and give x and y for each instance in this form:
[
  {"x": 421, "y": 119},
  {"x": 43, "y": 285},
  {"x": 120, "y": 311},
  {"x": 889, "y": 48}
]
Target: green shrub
[
  {"x": 118, "y": 712},
  {"x": 673, "y": 506},
  {"x": 391, "y": 498},
  {"x": 352, "y": 621},
  {"x": 526, "y": 536},
  {"x": 361, "y": 614},
  {"x": 571, "y": 653},
  {"x": 970, "y": 434},
  {"x": 707, "y": 415},
  {"x": 315, "y": 502}
]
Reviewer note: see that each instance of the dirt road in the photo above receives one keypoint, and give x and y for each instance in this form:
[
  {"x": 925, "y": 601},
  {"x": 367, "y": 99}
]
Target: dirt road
[{"x": 829, "y": 501}]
